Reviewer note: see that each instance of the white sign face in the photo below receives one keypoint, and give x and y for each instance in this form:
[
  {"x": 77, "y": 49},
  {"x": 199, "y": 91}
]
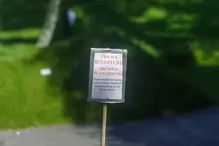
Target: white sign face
[{"x": 107, "y": 76}]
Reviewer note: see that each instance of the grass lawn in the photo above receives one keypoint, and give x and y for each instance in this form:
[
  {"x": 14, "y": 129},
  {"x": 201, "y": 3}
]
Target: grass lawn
[
  {"x": 26, "y": 100},
  {"x": 22, "y": 34}
]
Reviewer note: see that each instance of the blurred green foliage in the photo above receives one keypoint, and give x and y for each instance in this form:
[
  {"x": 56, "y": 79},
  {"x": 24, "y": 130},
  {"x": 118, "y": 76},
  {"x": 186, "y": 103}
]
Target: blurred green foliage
[
  {"x": 22, "y": 14},
  {"x": 172, "y": 64},
  {"x": 172, "y": 59}
]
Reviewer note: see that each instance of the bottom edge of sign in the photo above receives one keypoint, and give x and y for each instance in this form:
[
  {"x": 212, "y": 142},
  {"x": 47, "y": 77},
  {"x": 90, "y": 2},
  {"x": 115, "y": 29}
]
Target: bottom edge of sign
[{"x": 105, "y": 101}]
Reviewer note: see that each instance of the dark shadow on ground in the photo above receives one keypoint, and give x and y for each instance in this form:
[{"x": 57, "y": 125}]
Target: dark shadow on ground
[
  {"x": 17, "y": 41},
  {"x": 23, "y": 14},
  {"x": 197, "y": 129}
]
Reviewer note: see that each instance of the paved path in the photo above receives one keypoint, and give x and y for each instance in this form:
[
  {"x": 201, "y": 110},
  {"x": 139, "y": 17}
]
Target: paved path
[
  {"x": 53, "y": 136},
  {"x": 66, "y": 135},
  {"x": 198, "y": 129}
]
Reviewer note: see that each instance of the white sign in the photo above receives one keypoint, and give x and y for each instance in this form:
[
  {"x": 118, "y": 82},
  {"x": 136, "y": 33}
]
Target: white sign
[{"x": 107, "y": 75}]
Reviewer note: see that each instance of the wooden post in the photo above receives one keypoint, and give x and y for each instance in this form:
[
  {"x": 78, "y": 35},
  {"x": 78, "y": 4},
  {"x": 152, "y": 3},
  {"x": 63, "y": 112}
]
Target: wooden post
[{"x": 104, "y": 125}]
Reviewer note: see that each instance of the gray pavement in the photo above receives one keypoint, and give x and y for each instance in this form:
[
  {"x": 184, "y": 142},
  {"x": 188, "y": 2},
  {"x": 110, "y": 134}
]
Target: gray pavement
[
  {"x": 53, "y": 136},
  {"x": 64, "y": 135},
  {"x": 196, "y": 129}
]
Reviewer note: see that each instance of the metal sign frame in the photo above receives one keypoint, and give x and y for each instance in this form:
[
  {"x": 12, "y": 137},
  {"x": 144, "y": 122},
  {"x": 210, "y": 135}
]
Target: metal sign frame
[{"x": 107, "y": 50}]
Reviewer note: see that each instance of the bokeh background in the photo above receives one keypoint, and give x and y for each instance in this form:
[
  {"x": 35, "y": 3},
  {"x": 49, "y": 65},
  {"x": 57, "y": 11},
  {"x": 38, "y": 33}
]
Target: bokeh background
[{"x": 173, "y": 58}]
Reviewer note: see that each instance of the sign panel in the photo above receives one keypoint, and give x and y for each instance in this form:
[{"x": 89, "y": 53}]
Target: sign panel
[{"x": 107, "y": 75}]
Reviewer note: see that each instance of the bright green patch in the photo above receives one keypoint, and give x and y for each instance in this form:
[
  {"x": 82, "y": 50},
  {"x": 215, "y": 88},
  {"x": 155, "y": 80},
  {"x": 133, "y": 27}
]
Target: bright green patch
[
  {"x": 151, "y": 14},
  {"x": 21, "y": 34},
  {"x": 147, "y": 48},
  {"x": 17, "y": 51},
  {"x": 206, "y": 53}
]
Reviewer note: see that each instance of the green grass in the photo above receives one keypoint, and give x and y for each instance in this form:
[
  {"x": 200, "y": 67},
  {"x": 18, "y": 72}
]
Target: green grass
[
  {"x": 26, "y": 98},
  {"x": 16, "y": 51},
  {"x": 22, "y": 34}
]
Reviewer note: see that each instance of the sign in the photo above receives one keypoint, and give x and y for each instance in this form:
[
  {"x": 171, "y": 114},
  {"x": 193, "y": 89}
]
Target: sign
[{"x": 107, "y": 75}]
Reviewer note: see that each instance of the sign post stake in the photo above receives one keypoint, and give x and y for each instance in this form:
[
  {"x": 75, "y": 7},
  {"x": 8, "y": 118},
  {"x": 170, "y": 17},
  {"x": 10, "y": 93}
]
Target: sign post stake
[
  {"x": 107, "y": 78},
  {"x": 104, "y": 125}
]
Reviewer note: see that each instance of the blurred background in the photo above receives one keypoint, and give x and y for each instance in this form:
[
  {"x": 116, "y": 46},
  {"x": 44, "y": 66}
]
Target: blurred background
[{"x": 173, "y": 58}]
